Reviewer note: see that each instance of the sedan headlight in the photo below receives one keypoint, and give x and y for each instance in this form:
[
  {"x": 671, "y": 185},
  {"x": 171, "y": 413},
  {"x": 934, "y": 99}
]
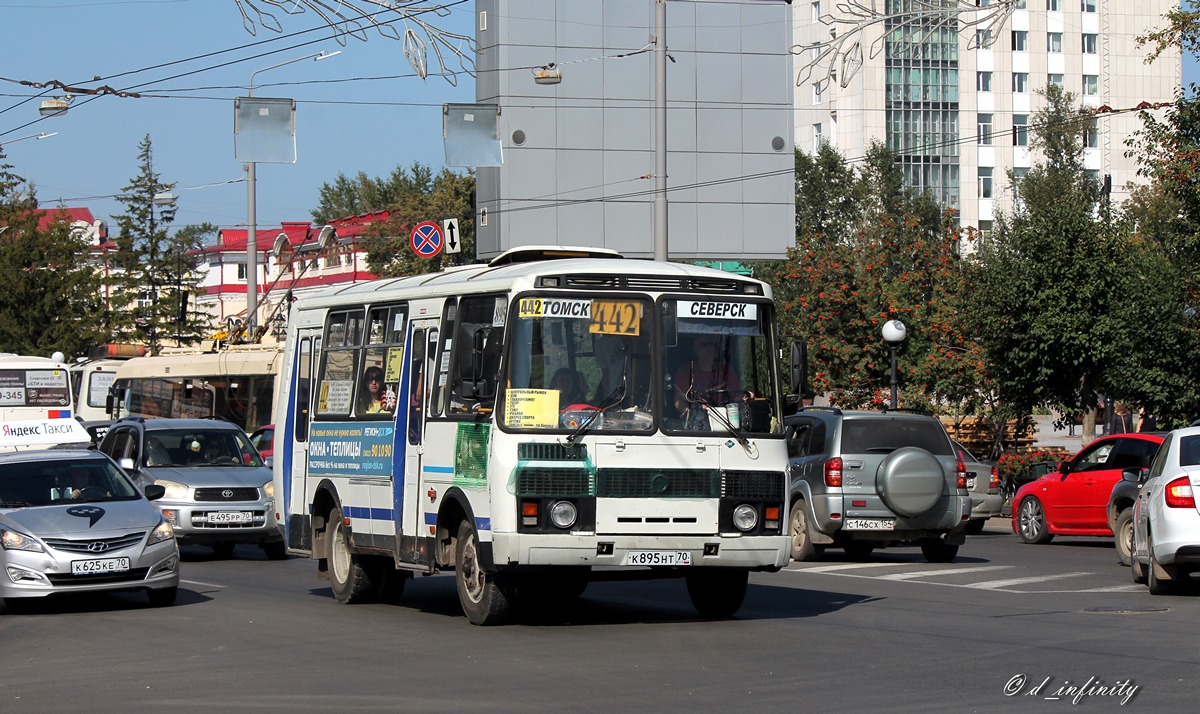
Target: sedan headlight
[
  {"x": 15, "y": 540},
  {"x": 269, "y": 489},
  {"x": 163, "y": 531},
  {"x": 175, "y": 491}
]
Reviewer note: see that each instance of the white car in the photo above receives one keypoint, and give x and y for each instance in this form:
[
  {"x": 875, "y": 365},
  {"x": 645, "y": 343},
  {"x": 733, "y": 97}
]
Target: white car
[
  {"x": 72, "y": 521},
  {"x": 1166, "y": 521}
]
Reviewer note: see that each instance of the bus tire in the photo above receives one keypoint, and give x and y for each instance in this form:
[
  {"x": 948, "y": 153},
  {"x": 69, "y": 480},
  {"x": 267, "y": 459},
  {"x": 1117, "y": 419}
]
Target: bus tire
[
  {"x": 486, "y": 597},
  {"x": 717, "y": 593},
  {"x": 350, "y": 581}
]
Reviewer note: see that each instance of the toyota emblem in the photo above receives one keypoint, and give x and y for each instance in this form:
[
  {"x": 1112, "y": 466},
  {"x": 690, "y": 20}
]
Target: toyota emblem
[
  {"x": 97, "y": 547},
  {"x": 227, "y": 493}
]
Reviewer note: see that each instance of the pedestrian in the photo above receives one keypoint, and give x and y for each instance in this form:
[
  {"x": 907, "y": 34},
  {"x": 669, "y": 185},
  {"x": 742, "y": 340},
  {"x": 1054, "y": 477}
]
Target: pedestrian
[
  {"x": 1146, "y": 421},
  {"x": 1122, "y": 419}
]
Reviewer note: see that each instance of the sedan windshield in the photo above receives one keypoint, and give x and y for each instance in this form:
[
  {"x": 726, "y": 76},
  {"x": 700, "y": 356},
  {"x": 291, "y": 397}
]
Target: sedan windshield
[{"x": 59, "y": 481}]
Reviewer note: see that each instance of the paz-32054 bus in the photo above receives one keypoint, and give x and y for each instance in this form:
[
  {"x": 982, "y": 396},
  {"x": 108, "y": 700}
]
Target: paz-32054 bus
[{"x": 524, "y": 421}]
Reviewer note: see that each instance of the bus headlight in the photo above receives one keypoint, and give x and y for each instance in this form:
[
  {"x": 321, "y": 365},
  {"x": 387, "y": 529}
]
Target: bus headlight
[
  {"x": 745, "y": 517},
  {"x": 563, "y": 514}
]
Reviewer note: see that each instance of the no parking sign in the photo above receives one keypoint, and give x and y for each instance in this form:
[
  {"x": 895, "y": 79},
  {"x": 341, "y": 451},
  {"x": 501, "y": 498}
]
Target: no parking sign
[{"x": 426, "y": 239}]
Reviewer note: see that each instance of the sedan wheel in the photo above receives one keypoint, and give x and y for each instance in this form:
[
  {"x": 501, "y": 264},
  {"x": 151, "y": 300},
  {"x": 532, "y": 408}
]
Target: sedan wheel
[{"x": 1031, "y": 522}]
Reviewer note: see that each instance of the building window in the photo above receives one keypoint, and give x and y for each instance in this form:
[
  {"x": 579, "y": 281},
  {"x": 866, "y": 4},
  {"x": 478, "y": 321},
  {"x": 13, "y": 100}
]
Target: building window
[
  {"x": 983, "y": 38},
  {"x": 816, "y": 89},
  {"x": 1020, "y": 82},
  {"x": 1019, "y": 40},
  {"x": 1055, "y": 79},
  {"x": 241, "y": 271},
  {"x": 1020, "y": 130},
  {"x": 983, "y": 127},
  {"x": 985, "y": 228},
  {"x": 1053, "y": 5},
  {"x": 1091, "y": 85},
  {"x": 1019, "y": 174},
  {"x": 1019, "y": 5},
  {"x": 1087, "y": 5},
  {"x": 1054, "y": 42},
  {"x": 816, "y": 12},
  {"x": 817, "y": 138},
  {"x": 1089, "y": 43},
  {"x": 1092, "y": 138},
  {"x": 983, "y": 81},
  {"x": 985, "y": 182}
]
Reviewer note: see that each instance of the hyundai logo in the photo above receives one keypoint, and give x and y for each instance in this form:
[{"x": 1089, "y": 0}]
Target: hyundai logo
[
  {"x": 97, "y": 547},
  {"x": 227, "y": 493}
]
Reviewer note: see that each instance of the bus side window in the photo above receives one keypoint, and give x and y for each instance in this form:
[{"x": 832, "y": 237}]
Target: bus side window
[{"x": 303, "y": 386}]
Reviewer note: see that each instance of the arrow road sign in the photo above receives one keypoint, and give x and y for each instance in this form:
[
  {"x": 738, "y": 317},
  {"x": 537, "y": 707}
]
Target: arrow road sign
[
  {"x": 426, "y": 239},
  {"x": 450, "y": 229}
]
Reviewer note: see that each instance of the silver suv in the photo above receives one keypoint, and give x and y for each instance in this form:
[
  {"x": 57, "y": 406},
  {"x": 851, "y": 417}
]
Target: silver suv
[
  {"x": 863, "y": 480},
  {"x": 218, "y": 490}
]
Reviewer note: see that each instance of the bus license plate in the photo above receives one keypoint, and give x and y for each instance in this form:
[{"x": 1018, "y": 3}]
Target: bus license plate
[
  {"x": 869, "y": 524},
  {"x": 99, "y": 566},
  {"x": 658, "y": 557},
  {"x": 230, "y": 517}
]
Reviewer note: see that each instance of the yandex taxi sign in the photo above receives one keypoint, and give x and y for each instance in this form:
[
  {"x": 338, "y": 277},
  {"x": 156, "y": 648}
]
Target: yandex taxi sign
[{"x": 718, "y": 310}]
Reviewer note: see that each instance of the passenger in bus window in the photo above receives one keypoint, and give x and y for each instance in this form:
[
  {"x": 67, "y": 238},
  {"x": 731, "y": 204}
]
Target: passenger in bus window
[
  {"x": 371, "y": 394},
  {"x": 569, "y": 385},
  {"x": 610, "y": 358}
]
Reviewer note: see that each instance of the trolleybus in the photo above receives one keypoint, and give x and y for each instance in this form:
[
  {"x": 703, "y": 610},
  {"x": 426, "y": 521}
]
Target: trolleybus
[{"x": 525, "y": 421}]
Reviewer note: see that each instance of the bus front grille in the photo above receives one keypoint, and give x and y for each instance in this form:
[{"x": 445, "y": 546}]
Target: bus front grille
[
  {"x": 549, "y": 482},
  {"x": 551, "y": 452},
  {"x": 657, "y": 483},
  {"x": 765, "y": 485}
]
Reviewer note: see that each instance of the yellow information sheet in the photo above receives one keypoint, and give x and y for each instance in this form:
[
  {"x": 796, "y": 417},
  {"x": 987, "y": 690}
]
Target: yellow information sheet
[
  {"x": 531, "y": 408},
  {"x": 395, "y": 362}
]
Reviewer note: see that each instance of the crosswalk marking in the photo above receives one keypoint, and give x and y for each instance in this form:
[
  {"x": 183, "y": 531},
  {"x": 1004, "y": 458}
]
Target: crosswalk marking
[
  {"x": 942, "y": 572},
  {"x": 996, "y": 584},
  {"x": 845, "y": 566}
]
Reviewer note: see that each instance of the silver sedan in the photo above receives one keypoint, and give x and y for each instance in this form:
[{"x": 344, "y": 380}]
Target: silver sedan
[
  {"x": 72, "y": 521},
  {"x": 1166, "y": 521}
]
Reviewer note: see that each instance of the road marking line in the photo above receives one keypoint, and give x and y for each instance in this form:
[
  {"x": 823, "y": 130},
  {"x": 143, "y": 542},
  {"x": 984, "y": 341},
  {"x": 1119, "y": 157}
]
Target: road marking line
[
  {"x": 996, "y": 584},
  {"x": 947, "y": 571},
  {"x": 1131, "y": 588},
  {"x": 846, "y": 566},
  {"x": 205, "y": 585}
]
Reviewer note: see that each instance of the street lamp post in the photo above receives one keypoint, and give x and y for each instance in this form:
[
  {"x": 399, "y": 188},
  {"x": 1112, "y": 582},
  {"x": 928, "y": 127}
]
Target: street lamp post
[
  {"x": 158, "y": 200},
  {"x": 251, "y": 199},
  {"x": 894, "y": 333}
]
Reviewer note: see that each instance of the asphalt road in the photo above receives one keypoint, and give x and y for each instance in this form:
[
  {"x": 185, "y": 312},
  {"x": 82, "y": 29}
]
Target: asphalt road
[{"x": 1007, "y": 627}]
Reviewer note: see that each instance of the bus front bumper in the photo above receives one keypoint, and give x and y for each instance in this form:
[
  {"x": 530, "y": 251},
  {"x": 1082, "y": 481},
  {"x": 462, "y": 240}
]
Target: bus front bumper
[{"x": 721, "y": 551}]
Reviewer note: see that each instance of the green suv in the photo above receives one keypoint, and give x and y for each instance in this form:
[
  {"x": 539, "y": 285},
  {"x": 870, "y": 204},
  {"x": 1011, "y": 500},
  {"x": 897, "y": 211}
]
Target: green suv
[{"x": 862, "y": 480}]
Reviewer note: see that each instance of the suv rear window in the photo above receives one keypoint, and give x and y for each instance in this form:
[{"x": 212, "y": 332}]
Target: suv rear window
[{"x": 882, "y": 435}]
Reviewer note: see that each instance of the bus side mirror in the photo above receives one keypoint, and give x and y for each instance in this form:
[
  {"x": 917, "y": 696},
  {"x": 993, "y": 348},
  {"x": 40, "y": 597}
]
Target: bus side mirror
[{"x": 799, "y": 368}]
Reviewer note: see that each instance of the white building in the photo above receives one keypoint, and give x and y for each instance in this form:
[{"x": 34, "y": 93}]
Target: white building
[{"x": 957, "y": 110}]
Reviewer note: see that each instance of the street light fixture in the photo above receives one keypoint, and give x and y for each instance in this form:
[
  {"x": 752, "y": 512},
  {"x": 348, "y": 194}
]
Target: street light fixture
[
  {"x": 251, "y": 199},
  {"x": 894, "y": 332},
  {"x": 43, "y": 135}
]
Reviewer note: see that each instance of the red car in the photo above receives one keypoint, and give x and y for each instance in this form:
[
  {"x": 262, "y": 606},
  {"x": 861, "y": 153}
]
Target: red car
[
  {"x": 263, "y": 439},
  {"x": 1073, "y": 501}
]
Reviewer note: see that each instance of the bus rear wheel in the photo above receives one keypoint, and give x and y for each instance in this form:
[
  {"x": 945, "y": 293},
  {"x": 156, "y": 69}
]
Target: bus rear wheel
[
  {"x": 717, "y": 593},
  {"x": 350, "y": 581},
  {"x": 486, "y": 597}
]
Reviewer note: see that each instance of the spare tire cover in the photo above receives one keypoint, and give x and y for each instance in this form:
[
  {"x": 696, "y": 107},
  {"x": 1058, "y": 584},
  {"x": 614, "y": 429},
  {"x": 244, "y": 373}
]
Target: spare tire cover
[{"x": 910, "y": 481}]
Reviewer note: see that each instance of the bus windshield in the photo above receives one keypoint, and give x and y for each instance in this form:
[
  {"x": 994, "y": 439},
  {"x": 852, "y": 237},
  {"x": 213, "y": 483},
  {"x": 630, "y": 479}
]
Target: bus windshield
[{"x": 623, "y": 364}]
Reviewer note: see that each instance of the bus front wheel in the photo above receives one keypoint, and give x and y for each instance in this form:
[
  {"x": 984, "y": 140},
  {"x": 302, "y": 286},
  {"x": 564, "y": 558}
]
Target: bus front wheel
[
  {"x": 486, "y": 597},
  {"x": 717, "y": 593},
  {"x": 350, "y": 581}
]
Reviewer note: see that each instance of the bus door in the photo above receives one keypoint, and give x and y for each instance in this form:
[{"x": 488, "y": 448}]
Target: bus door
[
  {"x": 411, "y": 529},
  {"x": 294, "y": 433}
]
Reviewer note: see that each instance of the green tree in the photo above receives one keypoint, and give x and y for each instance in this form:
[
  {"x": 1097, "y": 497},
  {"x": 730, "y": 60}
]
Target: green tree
[
  {"x": 410, "y": 196},
  {"x": 49, "y": 295},
  {"x": 144, "y": 307},
  {"x": 1054, "y": 278},
  {"x": 1182, "y": 29}
]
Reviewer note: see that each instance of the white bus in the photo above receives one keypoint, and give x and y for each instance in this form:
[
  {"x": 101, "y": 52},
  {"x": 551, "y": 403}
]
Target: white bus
[
  {"x": 527, "y": 420},
  {"x": 35, "y": 403},
  {"x": 92, "y": 378},
  {"x": 238, "y": 383}
]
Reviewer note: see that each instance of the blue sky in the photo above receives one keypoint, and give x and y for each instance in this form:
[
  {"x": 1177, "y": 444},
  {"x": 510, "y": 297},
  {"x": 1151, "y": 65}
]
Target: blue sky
[
  {"x": 363, "y": 110},
  {"x": 369, "y": 125}
]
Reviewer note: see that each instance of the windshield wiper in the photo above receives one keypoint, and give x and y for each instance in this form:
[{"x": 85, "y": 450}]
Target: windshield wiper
[
  {"x": 614, "y": 397},
  {"x": 719, "y": 413}
]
